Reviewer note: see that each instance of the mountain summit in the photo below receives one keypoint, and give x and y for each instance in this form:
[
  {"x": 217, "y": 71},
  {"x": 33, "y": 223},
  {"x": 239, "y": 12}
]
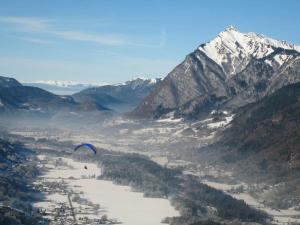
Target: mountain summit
[
  {"x": 228, "y": 72},
  {"x": 233, "y": 50}
]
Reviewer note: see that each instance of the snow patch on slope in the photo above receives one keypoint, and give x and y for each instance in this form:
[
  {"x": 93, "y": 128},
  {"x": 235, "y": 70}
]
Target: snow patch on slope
[{"x": 222, "y": 123}]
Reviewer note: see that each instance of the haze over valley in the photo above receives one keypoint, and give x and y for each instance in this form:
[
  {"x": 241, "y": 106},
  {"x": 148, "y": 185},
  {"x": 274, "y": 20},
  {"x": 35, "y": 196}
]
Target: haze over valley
[{"x": 214, "y": 141}]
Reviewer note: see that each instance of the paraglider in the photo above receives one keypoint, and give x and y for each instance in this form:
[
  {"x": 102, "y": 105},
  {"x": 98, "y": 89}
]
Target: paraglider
[
  {"x": 87, "y": 146},
  {"x": 86, "y": 149}
]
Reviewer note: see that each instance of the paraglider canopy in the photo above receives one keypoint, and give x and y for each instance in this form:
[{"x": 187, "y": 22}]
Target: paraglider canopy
[{"x": 86, "y": 146}]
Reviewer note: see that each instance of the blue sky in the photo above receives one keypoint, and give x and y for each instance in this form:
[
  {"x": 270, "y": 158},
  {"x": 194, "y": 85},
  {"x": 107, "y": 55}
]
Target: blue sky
[{"x": 112, "y": 41}]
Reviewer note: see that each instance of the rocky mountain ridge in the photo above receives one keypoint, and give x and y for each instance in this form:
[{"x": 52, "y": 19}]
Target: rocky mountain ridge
[{"x": 230, "y": 71}]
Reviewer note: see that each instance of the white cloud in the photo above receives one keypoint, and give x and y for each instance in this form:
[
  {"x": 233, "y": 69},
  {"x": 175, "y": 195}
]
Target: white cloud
[
  {"x": 106, "y": 39},
  {"x": 27, "y": 23},
  {"x": 46, "y": 26},
  {"x": 36, "y": 40}
]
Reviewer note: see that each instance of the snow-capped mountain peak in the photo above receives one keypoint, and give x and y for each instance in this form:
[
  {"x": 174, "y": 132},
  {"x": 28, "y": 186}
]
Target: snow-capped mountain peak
[
  {"x": 139, "y": 82},
  {"x": 71, "y": 87},
  {"x": 231, "y": 27},
  {"x": 233, "y": 50},
  {"x": 64, "y": 83},
  {"x": 61, "y": 86}
]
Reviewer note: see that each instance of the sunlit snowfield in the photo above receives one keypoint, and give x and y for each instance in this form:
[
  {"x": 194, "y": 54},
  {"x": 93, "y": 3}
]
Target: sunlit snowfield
[{"x": 117, "y": 202}]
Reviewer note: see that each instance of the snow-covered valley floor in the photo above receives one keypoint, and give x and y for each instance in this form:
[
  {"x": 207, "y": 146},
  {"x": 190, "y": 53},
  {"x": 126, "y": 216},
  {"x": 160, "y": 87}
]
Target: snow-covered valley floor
[{"x": 93, "y": 198}]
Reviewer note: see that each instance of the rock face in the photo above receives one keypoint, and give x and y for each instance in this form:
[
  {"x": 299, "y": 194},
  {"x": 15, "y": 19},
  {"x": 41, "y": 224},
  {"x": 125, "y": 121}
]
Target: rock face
[
  {"x": 121, "y": 97},
  {"x": 228, "y": 72}
]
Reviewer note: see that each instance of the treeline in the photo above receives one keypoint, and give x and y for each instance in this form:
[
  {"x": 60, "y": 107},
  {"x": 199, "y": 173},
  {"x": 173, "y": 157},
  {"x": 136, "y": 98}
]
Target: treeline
[
  {"x": 198, "y": 195},
  {"x": 9, "y": 216},
  {"x": 141, "y": 174},
  {"x": 197, "y": 202}
]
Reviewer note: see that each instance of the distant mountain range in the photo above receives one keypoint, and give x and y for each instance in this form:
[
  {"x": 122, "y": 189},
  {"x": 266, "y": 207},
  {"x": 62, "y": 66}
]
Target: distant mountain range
[
  {"x": 228, "y": 72},
  {"x": 16, "y": 98},
  {"x": 60, "y": 87},
  {"x": 122, "y": 97}
]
